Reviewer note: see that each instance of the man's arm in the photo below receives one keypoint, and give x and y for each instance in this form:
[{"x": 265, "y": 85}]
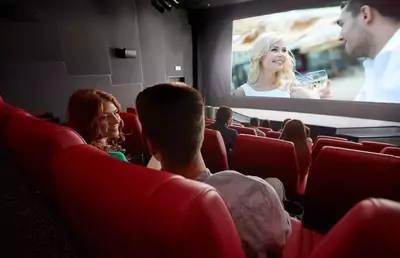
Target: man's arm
[
  {"x": 277, "y": 220},
  {"x": 232, "y": 139}
]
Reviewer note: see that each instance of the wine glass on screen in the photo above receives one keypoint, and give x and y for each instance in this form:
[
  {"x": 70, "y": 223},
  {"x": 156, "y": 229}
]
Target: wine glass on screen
[{"x": 315, "y": 80}]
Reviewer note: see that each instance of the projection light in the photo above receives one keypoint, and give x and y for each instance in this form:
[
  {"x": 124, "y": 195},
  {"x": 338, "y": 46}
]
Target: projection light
[
  {"x": 162, "y": 5},
  {"x": 124, "y": 53}
]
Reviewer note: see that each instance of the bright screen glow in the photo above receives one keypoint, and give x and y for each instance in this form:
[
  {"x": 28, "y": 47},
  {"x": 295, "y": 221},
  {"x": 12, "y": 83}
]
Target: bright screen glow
[{"x": 298, "y": 54}]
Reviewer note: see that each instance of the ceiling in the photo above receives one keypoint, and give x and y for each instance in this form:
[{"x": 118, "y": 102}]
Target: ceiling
[{"x": 203, "y": 4}]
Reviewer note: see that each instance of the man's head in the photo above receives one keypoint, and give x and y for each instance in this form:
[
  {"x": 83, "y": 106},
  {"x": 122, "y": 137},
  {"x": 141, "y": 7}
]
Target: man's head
[
  {"x": 364, "y": 21},
  {"x": 172, "y": 118},
  {"x": 224, "y": 115},
  {"x": 254, "y": 122}
]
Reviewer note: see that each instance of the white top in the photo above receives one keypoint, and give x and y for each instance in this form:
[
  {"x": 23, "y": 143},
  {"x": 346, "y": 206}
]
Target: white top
[
  {"x": 382, "y": 74},
  {"x": 255, "y": 207},
  {"x": 277, "y": 93}
]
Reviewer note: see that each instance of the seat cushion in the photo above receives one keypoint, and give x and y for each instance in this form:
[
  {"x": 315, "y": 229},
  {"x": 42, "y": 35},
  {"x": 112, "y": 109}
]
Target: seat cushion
[
  {"x": 301, "y": 242},
  {"x": 370, "y": 229},
  {"x": 214, "y": 152}
]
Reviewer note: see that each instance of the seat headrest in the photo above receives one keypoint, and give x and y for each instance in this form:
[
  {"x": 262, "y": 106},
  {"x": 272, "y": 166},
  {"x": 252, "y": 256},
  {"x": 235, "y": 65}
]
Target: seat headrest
[
  {"x": 395, "y": 151},
  {"x": 322, "y": 142},
  {"x": 266, "y": 157},
  {"x": 123, "y": 210},
  {"x": 375, "y": 146},
  {"x": 339, "y": 178},
  {"x": 214, "y": 151},
  {"x": 244, "y": 130},
  {"x": 370, "y": 229}
]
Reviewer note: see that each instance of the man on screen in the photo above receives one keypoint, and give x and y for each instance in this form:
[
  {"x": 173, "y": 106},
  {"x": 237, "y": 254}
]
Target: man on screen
[{"x": 371, "y": 29}]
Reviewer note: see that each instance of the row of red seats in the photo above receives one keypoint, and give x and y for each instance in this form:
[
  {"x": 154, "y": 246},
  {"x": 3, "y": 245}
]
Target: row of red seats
[
  {"x": 336, "y": 174},
  {"x": 333, "y": 166},
  {"x": 377, "y": 147},
  {"x": 121, "y": 210},
  {"x": 115, "y": 208}
]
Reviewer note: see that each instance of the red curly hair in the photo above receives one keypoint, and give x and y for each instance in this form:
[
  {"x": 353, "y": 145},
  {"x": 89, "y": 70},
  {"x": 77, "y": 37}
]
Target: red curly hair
[{"x": 84, "y": 108}]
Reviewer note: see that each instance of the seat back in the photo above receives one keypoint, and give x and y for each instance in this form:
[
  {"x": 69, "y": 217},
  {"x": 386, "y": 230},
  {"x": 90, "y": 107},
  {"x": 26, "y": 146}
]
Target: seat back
[
  {"x": 131, "y": 110},
  {"x": 322, "y": 142},
  {"x": 34, "y": 143},
  {"x": 339, "y": 178},
  {"x": 331, "y": 137},
  {"x": 243, "y": 130},
  {"x": 265, "y": 157},
  {"x": 273, "y": 134},
  {"x": 395, "y": 151},
  {"x": 370, "y": 229},
  {"x": 237, "y": 124},
  {"x": 265, "y": 130},
  {"x": 209, "y": 122},
  {"x": 6, "y": 113},
  {"x": 122, "y": 210},
  {"x": 133, "y": 144},
  {"x": 214, "y": 151},
  {"x": 375, "y": 146}
]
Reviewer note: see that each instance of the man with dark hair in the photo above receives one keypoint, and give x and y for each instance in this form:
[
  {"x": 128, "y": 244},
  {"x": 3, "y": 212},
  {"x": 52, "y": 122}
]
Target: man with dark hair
[
  {"x": 265, "y": 123},
  {"x": 223, "y": 121},
  {"x": 172, "y": 117},
  {"x": 371, "y": 29},
  {"x": 255, "y": 123}
]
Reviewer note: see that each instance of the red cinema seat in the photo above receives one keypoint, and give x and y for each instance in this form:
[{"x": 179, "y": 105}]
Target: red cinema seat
[
  {"x": 370, "y": 229},
  {"x": 395, "y": 151},
  {"x": 331, "y": 137},
  {"x": 322, "y": 142},
  {"x": 265, "y": 130},
  {"x": 243, "y": 130},
  {"x": 273, "y": 134},
  {"x": 7, "y": 110},
  {"x": 131, "y": 110},
  {"x": 33, "y": 143},
  {"x": 209, "y": 122},
  {"x": 237, "y": 124},
  {"x": 6, "y": 113},
  {"x": 214, "y": 151},
  {"x": 1, "y": 100},
  {"x": 133, "y": 144},
  {"x": 122, "y": 210},
  {"x": 339, "y": 178},
  {"x": 375, "y": 146},
  {"x": 301, "y": 241},
  {"x": 265, "y": 157}
]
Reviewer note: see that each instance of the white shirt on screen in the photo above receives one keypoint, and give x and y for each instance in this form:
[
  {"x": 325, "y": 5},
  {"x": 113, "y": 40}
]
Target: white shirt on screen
[
  {"x": 382, "y": 74},
  {"x": 277, "y": 93}
]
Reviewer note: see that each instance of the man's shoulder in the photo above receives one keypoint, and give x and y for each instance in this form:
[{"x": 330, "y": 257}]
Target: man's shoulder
[
  {"x": 231, "y": 177},
  {"x": 232, "y": 131}
]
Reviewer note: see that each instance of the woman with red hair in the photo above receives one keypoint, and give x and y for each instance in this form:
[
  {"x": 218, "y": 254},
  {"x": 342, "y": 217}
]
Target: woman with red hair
[{"x": 94, "y": 114}]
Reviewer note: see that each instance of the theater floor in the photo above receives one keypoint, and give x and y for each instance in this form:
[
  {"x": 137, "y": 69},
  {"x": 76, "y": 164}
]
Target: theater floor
[{"x": 29, "y": 226}]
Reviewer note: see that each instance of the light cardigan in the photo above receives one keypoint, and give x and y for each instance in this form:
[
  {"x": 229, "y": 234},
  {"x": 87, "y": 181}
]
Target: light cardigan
[{"x": 256, "y": 209}]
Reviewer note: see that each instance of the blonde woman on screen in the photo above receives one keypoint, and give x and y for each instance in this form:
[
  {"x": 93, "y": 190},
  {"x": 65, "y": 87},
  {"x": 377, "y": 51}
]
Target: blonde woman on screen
[{"x": 271, "y": 71}]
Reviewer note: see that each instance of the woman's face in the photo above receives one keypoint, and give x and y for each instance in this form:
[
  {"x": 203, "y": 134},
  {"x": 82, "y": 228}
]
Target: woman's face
[
  {"x": 109, "y": 121},
  {"x": 275, "y": 58}
]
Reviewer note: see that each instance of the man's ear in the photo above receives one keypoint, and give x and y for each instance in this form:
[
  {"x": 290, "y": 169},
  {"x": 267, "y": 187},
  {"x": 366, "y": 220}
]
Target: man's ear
[{"x": 366, "y": 14}]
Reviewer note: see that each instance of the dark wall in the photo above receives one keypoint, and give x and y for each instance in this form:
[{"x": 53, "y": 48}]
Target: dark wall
[
  {"x": 213, "y": 53},
  {"x": 43, "y": 62}
]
